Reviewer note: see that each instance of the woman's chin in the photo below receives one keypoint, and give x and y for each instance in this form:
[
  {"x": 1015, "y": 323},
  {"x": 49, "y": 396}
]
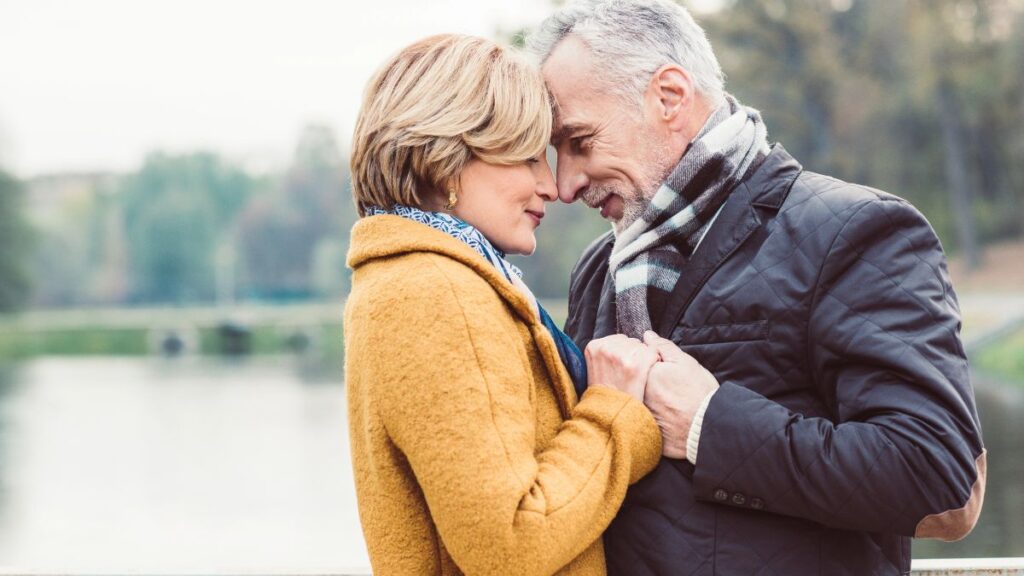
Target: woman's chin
[{"x": 524, "y": 247}]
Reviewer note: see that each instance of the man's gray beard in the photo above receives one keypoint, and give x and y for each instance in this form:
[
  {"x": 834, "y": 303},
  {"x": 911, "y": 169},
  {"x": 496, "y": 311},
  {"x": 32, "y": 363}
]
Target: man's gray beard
[{"x": 632, "y": 210}]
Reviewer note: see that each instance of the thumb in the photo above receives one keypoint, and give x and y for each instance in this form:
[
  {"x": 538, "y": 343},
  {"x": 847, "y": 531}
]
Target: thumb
[{"x": 666, "y": 348}]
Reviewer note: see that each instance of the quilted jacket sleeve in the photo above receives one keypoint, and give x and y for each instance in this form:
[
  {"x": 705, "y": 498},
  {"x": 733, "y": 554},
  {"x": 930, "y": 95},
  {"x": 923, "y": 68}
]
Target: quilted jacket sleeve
[
  {"x": 904, "y": 454},
  {"x": 456, "y": 400}
]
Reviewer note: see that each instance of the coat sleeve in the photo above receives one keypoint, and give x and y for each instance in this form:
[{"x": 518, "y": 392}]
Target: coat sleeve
[
  {"x": 456, "y": 400},
  {"x": 904, "y": 453}
]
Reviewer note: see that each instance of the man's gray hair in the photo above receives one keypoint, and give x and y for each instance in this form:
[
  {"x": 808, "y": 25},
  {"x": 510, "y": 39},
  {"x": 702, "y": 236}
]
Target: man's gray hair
[{"x": 630, "y": 40}]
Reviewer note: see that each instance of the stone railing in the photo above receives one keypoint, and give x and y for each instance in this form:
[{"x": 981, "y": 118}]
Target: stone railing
[
  {"x": 955, "y": 567},
  {"x": 969, "y": 567}
]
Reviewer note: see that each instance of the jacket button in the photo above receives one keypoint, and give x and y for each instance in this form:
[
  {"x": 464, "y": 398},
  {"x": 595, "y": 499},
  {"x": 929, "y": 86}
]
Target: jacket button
[
  {"x": 739, "y": 499},
  {"x": 757, "y": 504},
  {"x": 721, "y": 495}
]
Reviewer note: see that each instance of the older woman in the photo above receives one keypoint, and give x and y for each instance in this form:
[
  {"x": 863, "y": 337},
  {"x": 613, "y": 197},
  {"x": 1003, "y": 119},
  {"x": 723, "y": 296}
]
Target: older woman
[{"x": 478, "y": 445}]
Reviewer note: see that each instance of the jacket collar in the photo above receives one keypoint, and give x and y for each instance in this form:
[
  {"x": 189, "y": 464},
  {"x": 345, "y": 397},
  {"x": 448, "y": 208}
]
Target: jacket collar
[
  {"x": 770, "y": 183},
  {"x": 762, "y": 192},
  {"x": 386, "y": 236}
]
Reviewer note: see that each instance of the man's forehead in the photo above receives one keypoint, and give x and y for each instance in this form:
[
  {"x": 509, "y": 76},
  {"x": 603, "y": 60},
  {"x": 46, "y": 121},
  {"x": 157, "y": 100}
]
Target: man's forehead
[
  {"x": 576, "y": 112},
  {"x": 568, "y": 73},
  {"x": 568, "y": 70}
]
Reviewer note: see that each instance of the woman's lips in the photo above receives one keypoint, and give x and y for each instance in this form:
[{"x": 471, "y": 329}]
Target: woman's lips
[{"x": 537, "y": 216}]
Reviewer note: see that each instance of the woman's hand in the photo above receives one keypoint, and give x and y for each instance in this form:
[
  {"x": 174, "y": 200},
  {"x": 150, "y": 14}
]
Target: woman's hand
[{"x": 620, "y": 362}]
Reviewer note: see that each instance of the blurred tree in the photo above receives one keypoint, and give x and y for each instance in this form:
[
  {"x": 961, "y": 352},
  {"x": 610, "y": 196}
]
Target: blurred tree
[
  {"x": 77, "y": 257},
  {"x": 917, "y": 97},
  {"x": 292, "y": 240},
  {"x": 15, "y": 247},
  {"x": 785, "y": 58},
  {"x": 172, "y": 249},
  {"x": 177, "y": 210}
]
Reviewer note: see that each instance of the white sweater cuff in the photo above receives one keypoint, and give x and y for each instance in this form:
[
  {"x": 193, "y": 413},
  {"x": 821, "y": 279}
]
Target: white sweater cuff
[{"x": 693, "y": 439}]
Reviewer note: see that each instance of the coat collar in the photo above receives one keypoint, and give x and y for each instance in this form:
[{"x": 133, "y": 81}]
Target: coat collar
[
  {"x": 762, "y": 192},
  {"x": 386, "y": 236}
]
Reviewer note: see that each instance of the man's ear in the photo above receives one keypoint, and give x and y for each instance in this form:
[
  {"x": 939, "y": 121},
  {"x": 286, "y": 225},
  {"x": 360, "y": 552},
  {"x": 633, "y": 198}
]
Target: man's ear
[{"x": 674, "y": 95}]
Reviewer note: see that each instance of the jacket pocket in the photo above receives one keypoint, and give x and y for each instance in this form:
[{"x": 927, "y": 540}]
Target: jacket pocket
[{"x": 710, "y": 334}]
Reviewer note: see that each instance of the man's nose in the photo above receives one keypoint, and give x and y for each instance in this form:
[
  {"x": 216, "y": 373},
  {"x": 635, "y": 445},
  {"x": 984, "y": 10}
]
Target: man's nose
[{"x": 571, "y": 180}]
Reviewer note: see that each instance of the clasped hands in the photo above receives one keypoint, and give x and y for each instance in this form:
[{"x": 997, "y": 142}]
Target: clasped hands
[{"x": 670, "y": 382}]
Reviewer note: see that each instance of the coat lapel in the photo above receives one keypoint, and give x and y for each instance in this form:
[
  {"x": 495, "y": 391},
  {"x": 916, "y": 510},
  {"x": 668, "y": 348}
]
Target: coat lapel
[
  {"x": 387, "y": 236},
  {"x": 734, "y": 225},
  {"x": 762, "y": 192}
]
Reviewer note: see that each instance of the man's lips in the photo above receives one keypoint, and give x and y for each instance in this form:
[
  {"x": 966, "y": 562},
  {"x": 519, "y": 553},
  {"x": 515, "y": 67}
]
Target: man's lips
[
  {"x": 605, "y": 206},
  {"x": 600, "y": 204}
]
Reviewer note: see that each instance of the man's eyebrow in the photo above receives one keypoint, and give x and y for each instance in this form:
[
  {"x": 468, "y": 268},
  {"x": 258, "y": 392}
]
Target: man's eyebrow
[{"x": 565, "y": 130}]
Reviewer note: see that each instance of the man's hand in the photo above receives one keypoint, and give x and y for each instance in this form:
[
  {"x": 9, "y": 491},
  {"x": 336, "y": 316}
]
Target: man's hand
[
  {"x": 619, "y": 362},
  {"x": 675, "y": 388}
]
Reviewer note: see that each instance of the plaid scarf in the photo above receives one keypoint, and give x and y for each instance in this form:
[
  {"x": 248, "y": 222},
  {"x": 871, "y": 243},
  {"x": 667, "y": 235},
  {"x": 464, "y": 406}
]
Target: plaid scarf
[{"x": 650, "y": 252}]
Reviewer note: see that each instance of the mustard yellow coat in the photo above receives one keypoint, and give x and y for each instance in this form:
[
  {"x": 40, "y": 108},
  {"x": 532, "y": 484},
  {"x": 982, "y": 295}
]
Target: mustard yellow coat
[{"x": 471, "y": 454}]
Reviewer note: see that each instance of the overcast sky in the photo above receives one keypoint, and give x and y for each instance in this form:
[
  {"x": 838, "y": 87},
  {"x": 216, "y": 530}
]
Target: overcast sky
[{"x": 95, "y": 84}]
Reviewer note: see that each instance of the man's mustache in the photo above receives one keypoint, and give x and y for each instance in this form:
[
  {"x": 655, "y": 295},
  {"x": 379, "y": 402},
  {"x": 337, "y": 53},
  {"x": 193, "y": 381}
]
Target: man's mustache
[{"x": 593, "y": 196}]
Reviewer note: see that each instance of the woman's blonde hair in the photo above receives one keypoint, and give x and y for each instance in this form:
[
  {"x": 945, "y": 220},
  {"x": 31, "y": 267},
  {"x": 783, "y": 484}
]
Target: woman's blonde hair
[{"x": 435, "y": 106}]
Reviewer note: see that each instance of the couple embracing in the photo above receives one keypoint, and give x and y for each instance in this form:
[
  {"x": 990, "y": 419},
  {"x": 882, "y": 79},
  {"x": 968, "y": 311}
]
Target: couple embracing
[{"x": 761, "y": 371}]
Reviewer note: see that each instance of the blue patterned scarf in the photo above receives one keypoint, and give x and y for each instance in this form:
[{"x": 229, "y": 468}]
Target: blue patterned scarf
[{"x": 570, "y": 354}]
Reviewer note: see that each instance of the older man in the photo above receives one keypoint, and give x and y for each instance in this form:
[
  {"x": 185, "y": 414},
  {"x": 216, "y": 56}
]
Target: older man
[{"x": 819, "y": 413}]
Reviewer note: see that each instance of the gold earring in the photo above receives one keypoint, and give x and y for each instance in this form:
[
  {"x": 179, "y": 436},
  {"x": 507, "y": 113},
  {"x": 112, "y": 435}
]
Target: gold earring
[{"x": 452, "y": 200}]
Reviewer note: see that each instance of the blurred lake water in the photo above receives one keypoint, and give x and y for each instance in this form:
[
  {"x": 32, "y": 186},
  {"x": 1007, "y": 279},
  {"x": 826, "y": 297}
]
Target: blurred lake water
[
  {"x": 110, "y": 465},
  {"x": 145, "y": 465}
]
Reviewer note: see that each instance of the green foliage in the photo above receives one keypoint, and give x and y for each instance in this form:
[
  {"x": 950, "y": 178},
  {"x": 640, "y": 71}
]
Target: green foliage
[
  {"x": 77, "y": 342},
  {"x": 293, "y": 240},
  {"x": 1004, "y": 358},
  {"x": 892, "y": 94},
  {"x": 15, "y": 247},
  {"x": 100, "y": 340},
  {"x": 878, "y": 92},
  {"x": 177, "y": 210}
]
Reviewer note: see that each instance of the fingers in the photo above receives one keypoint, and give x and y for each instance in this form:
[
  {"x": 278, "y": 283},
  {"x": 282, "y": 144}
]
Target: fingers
[
  {"x": 646, "y": 356},
  {"x": 620, "y": 348},
  {"x": 666, "y": 348},
  {"x": 620, "y": 362}
]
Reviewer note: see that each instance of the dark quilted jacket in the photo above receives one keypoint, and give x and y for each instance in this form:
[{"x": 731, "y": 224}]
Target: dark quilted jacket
[{"x": 845, "y": 423}]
